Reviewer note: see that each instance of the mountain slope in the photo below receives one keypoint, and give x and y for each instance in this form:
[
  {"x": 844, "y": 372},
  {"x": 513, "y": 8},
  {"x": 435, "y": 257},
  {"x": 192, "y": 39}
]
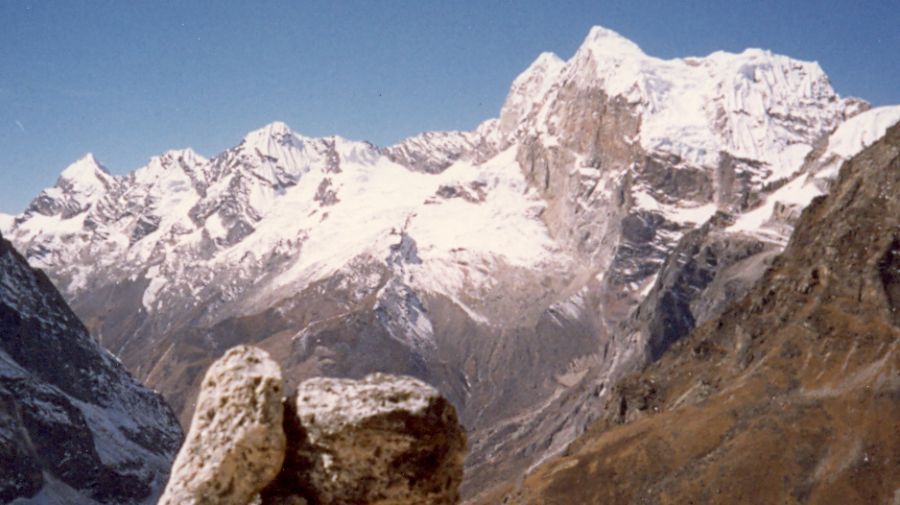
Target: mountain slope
[
  {"x": 503, "y": 265},
  {"x": 6, "y": 221},
  {"x": 75, "y": 427},
  {"x": 800, "y": 374}
]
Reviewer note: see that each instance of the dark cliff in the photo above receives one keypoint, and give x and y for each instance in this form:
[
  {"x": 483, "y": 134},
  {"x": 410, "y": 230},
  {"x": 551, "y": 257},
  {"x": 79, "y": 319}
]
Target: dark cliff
[{"x": 75, "y": 427}]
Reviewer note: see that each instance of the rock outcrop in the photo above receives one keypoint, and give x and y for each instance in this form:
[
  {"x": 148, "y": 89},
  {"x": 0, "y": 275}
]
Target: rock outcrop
[
  {"x": 75, "y": 427},
  {"x": 382, "y": 439},
  {"x": 789, "y": 396},
  {"x": 236, "y": 442},
  {"x": 707, "y": 270}
]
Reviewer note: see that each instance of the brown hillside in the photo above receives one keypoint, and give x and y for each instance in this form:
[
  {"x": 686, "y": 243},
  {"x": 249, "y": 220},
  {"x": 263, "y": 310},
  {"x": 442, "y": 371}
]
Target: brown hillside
[{"x": 791, "y": 396}]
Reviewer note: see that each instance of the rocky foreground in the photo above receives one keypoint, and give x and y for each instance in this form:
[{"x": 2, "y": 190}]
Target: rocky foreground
[{"x": 380, "y": 440}]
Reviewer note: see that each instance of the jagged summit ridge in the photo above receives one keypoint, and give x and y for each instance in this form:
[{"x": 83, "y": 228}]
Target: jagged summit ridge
[
  {"x": 84, "y": 169},
  {"x": 603, "y": 42},
  {"x": 754, "y": 104},
  {"x": 183, "y": 157},
  {"x": 78, "y": 187},
  {"x": 176, "y": 163}
]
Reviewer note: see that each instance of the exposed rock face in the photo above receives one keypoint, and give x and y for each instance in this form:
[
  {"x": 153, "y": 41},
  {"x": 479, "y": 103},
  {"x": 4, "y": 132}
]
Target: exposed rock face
[
  {"x": 75, "y": 427},
  {"x": 433, "y": 152},
  {"x": 379, "y": 440},
  {"x": 236, "y": 443},
  {"x": 790, "y": 396},
  {"x": 706, "y": 271}
]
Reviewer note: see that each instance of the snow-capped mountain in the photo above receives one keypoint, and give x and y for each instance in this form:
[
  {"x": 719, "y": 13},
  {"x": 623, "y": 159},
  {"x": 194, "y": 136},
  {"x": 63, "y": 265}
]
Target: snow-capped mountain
[
  {"x": 788, "y": 396},
  {"x": 6, "y": 221},
  {"x": 75, "y": 427},
  {"x": 504, "y": 265}
]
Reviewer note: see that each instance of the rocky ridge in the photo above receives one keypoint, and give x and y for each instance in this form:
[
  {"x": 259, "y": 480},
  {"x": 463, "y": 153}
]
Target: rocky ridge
[
  {"x": 801, "y": 373},
  {"x": 75, "y": 427}
]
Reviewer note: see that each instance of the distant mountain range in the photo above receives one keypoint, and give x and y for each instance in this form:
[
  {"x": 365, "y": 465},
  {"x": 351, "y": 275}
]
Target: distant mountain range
[{"x": 523, "y": 268}]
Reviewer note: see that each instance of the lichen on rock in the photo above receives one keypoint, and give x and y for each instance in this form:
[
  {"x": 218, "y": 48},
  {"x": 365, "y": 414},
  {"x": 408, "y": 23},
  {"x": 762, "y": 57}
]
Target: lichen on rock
[
  {"x": 236, "y": 443},
  {"x": 383, "y": 439}
]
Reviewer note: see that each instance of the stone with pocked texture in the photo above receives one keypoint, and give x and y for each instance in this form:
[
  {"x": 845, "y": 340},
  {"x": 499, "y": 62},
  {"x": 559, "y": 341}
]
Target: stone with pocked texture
[
  {"x": 236, "y": 443},
  {"x": 383, "y": 439}
]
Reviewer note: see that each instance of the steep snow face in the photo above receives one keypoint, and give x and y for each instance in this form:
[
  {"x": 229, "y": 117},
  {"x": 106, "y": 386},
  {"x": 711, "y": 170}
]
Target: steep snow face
[
  {"x": 280, "y": 211},
  {"x": 773, "y": 219},
  {"x": 856, "y": 134},
  {"x": 79, "y": 187},
  {"x": 171, "y": 172},
  {"x": 533, "y": 83},
  {"x": 86, "y": 180},
  {"x": 59, "y": 220},
  {"x": 161, "y": 194},
  {"x": 753, "y": 105},
  {"x": 248, "y": 180},
  {"x": 282, "y": 154}
]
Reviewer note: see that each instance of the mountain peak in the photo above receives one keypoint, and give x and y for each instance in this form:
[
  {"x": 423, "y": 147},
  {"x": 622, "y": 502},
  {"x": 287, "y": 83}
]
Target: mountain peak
[
  {"x": 606, "y": 42},
  {"x": 187, "y": 153},
  {"x": 546, "y": 59},
  {"x": 86, "y": 165},
  {"x": 273, "y": 129},
  {"x": 528, "y": 89},
  {"x": 186, "y": 156},
  {"x": 270, "y": 137},
  {"x": 86, "y": 173}
]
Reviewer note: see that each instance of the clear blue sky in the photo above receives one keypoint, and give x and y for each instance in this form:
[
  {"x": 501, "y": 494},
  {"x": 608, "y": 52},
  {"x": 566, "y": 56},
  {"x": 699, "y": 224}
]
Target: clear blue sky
[{"x": 130, "y": 79}]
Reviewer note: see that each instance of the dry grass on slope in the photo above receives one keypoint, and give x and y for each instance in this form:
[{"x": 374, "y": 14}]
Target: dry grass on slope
[{"x": 791, "y": 396}]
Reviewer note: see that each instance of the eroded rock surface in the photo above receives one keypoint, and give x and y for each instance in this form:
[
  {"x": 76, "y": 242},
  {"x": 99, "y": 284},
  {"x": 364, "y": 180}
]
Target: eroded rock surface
[
  {"x": 383, "y": 439},
  {"x": 380, "y": 440},
  {"x": 236, "y": 443}
]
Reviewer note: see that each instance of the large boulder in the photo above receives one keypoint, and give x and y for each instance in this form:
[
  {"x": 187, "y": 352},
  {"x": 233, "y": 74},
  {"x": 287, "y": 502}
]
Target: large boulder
[
  {"x": 380, "y": 440},
  {"x": 236, "y": 443}
]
